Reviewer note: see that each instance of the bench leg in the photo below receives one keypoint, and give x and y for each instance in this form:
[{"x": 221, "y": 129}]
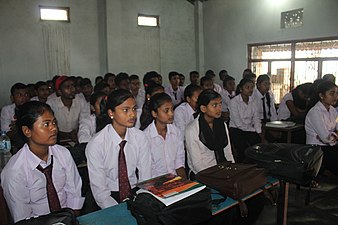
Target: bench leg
[{"x": 282, "y": 207}]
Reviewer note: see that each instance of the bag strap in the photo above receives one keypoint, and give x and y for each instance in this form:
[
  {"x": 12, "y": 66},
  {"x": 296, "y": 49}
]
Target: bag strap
[{"x": 243, "y": 208}]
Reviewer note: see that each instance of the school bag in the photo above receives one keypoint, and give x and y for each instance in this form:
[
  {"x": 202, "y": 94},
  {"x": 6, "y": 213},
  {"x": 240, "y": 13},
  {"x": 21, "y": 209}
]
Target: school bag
[
  {"x": 235, "y": 180},
  {"x": 64, "y": 216},
  {"x": 148, "y": 210},
  {"x": 295, "y": 163}
]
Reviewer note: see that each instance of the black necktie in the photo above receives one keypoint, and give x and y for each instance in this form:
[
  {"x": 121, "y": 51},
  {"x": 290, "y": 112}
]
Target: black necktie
[
  {"x": 264, "y": 110},
  {"x": 52, "y": 196},
  {"x": 175, "y": 94}
]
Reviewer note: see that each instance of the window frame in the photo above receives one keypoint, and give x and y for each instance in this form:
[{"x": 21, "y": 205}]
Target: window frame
[
  {"x": 292, "y": 59},
  {"x": 67, "y": 9},
  {"x": 157, "y": 17}
]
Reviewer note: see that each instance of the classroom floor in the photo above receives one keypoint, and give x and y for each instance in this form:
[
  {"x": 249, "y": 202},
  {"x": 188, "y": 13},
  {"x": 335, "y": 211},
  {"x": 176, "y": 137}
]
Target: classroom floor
[{"x": 322, "y": 210}]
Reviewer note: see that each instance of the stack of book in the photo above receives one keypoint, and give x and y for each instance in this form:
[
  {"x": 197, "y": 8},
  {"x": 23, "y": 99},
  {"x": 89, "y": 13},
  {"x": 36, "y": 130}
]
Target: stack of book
[{"x": 169, "y": 188}]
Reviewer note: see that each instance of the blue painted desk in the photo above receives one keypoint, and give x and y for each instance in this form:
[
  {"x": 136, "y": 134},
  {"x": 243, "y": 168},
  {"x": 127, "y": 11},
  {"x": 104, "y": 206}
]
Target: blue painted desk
[{"x": 120, "y": 215}]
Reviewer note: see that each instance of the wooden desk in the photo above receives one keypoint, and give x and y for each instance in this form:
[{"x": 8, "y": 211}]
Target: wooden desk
[
  {"x": 119, "y": 214},
  {"x": 287, "y": 130}
]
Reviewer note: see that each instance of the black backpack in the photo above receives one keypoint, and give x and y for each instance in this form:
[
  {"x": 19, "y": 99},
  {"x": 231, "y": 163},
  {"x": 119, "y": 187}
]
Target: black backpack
[
  {"x": 191, "y": 210},
  {"x": 296, "y": 163},
  {"x": 64, "y": 216}
]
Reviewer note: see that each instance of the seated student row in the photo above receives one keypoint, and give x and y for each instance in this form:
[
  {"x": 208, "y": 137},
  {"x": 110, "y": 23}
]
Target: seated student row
[
  {"x": 133, "y": 120},
  {"x": 108, "y": 182}
]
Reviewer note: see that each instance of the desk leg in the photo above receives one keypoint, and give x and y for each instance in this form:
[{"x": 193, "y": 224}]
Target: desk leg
[
  {"x": 282, "y": 207},
  {"x": 288, "y": 137}
]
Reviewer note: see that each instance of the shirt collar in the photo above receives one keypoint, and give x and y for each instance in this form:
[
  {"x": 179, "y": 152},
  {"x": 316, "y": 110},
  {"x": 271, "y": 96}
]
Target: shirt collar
[
  {"x": 241, "y": 99},
  {"x": 189, "y": 108},
  {"x": 258, "y": 93},
  {"x": 153, "y": 130},
  {"x": 228, "y": 93},
  {"x": 33, "y": 160},
  {"x": 322, "y": 107},
  {"x": 115, "y": 137}
]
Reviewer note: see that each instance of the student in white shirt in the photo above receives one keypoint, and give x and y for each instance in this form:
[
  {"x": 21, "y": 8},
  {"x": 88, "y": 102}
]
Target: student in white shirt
[
  {"x": 137, "y": 92},
  {"x": 122, "y": 81},
  {"x": 208, "y": 143},
  {"x": 68, "y": 108},
  {"x": 116, "y": 152},
  {"x": 42, "y": 91},
  {"x": 97, "y": 120},
  {"x": 109, "y": 78},
  {"x": 245, "y": 124},
  {"x": 86, "y": 88},
  {"x": 228, "y": 93},
  {"x": 19, "y": 96},
  {"x": 210, "y": 74},
  {"x": 194, "y": 77},
  {"x": 294, "y": 104},
  {"x": 175, "y": 91},
  {"x": 184, "y": 113},
  {"x": 207, "y": 83},
  {"x": 23, "y": 182},
  {"x": 207, "y": 137},
  {"x": 265, "y": 99},
  {"x": 321, "y": 125},
  {"x": 182, "y": 79},
  {"x": 143, "y": 115},
  {"x": 166, "y": 140}
]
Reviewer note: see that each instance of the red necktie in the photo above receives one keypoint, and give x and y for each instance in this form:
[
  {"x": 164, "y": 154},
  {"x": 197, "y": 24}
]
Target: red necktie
[
  {"x": 53, "y": 199},
  {"x": 124, "y": 185}
]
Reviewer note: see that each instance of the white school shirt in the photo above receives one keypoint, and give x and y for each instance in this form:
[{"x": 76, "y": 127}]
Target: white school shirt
[
  {"x": 226, "y": 97},
  {"x": 179, "y": 94},
  {"x": 198, "y": 155},
  {"x": 7, "y": 116},
  {"x": 245, "y": 116},
  {"x": 321, "y": 123},
  {"x": 283, "y": 110},
  {"x": 167, "y": 154},
  {"x": 68, "y": 120},
  {"x": 138, "y": 115},
  {"x": 140, "y": 98},
  {"x": 87, "y": 128},
  {"x": 257, "y": 95},
  {"x": 52, "y": 96},
  {"x": 183, "y": 115},
  {"x": 217, "y": 88},
  {"x": 25, "y": 186},
  {"x": 35, "y": 98},
  {"x": 102, "y": 153}
]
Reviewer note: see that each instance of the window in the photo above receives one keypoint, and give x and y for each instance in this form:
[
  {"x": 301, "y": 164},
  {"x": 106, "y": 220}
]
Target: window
[
  {"x": 148, "y": 21},
  {"x": 294, "y": 62},
  {"x": 54, "y": 13}
]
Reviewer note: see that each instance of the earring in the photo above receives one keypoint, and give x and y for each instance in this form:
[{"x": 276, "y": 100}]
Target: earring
[
  {"x": 111, "y": 117},
  {"x": 148, "y": 99}
]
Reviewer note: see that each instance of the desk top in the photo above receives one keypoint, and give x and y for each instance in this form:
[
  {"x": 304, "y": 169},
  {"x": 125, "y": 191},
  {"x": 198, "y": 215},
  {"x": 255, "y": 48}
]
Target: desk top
[
  {"x": 291, "y": 128},
  {"x": 119, "y": 214}
]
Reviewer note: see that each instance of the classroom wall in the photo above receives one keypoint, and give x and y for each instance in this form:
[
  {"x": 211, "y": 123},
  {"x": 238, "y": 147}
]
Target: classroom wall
[
  {"x": 103, "y": 37},
  {"x": 136, "y": 49},
  {"x": 229, "y": 26},
  {"x": 22, "y": 55}
]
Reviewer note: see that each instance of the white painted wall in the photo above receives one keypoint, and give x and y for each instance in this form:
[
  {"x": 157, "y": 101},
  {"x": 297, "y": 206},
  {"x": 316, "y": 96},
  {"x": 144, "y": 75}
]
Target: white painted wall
[
  {"x": 104, "y": 36},
  {"x": 137, "y": 50},
  {"x": 21, "y": 42},
  {"x": 229, "y": 25}
]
